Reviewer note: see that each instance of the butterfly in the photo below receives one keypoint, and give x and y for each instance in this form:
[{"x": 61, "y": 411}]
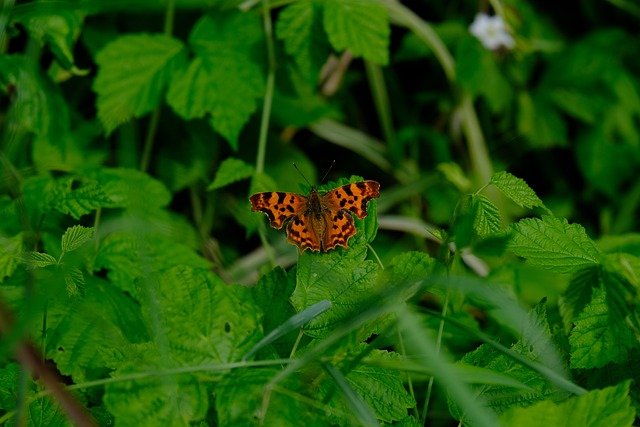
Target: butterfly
[{"x": 318, "y": 222}]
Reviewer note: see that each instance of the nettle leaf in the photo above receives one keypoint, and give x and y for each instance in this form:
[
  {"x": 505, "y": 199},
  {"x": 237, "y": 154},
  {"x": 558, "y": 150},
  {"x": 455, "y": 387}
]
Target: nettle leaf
[
  {"x": 272, "y": 295},
  {"x": 130, "y": 188},
  {"x": 230, "y": 171},
  {"x": 203, "y": 319},
  {"x": 598, "y": 337},
  {"x": 361, "y": 26},
  {"x": 157, "y": 400},
  {"x": 133, "y": 73},
  {"x": 92, "y": 332},
  {"x": 553, "y": 244},
  {"x": 299, "y": 25},
  {"x": 610, "y": 406},
  {"x": 38, "y": 260},
  {"x": 343, "y": 277},
  {"x": 380, "y": 388},
  {"x": 78, "y": 201},
  {"x": 74, "y": 280},
  {"x": 578, "y": 294},
  {"x": 223, "y": 81},
  {"x": 486, "y": 218},
  {"x": 516, "y": 189},
  {"x": 75, "y": 237},
  {"x": 240, "y": 396},
  {"x": 10, "y": 253},
  {"x": 127, "y": 256}
]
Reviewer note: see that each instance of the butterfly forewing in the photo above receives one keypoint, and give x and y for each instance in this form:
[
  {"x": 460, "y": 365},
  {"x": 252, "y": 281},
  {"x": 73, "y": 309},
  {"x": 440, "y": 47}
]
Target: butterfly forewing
[
  {"x": 353, "y": 197},
  {"x": 278, "y": 206}
]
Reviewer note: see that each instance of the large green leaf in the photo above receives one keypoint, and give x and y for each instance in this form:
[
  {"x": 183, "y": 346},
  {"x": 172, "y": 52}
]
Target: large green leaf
[
  {"x": 610, "y": 406},
  {"x": 516, "y": 189},
  {"x": 202, "y": 319},
  {"x": 10, "y": 250},
  {"x": 299, "y": 25},
  {"x": 230, "y": 171},
  {"x": 554, "y": 244},
  {"x": 361, "y": 26},
  {"x": 133, "y": 73},
  {"x": 224, "y": 80}
]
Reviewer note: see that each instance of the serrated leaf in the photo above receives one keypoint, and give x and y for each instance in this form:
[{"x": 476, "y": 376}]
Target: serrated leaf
[
  {"x": 597, "y": 338},
  {"x": 130, "y": 188},
  {"x": 299, "y": 25},
  {"x": 516, "y": 189},
  {"x": 203, "y": 319},
  {"x": 78, "y": 201},
  {"x": 223, "y": 81},
  {"x": 133, "y": 73},
  {"x": 75, "y": 237},
  {"x": 578, "y": 294},
  {"x": 91, "y": 332},
  {"x": 343, "y": 277},
  {"x": 239, "y": 397},
  {"x": 553, "y": 244},
  {"x": 361, "y": 26},
  {"x": 230, "y": 171},
  {"x": 38, "y": 260},
  {"x": 272, "y": 294},
  {"x": 486, "y": 219},
  {"x": 74, "y": 279},
  {"x": 610, "y": 406},
  {"x": 157, "y": 400},
  {"x": 380, "y": 388},
  {"x": 10, "y": 250}
]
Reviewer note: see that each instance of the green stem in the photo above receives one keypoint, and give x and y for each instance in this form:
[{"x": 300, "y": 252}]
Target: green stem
[
  {"x": 155, "y": 117},
  {"x": 268, "y": 96}
]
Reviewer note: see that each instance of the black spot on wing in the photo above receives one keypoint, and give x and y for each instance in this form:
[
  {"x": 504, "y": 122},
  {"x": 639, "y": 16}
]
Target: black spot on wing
[
  {"x": 347, "y": 189},
  {"x": 281, "y": 197},
  {"x": 361, "y": 185}
]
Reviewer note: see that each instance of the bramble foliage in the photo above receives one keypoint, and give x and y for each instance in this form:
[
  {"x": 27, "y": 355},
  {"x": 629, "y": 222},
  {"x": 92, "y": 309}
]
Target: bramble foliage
[{"x": 495, "y": 281}]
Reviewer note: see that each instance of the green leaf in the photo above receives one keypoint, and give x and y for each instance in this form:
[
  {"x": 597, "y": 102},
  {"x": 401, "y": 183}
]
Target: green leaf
[
  {"x": 75, "y": 237},
  {"x": 578, "y": 294},
  {"x": 516, "y": 189},
  {"x": 597, "y": 339},
  {"x": 361, "y": 26},
  {"x": 299, "y": 25},
  {"x": 203, "y": 319},
  {"x": 157, "y": 400},
  {"x": 90, "y": 333},
  {"x": 343, "y": 277},
  {"x": 230, "y": 171},
  {"x": 610, "y": 406},
  {"x": 380, "y": 388},
  {"x": 272, "y": 294},
  {"x": 133, "y": 73},
  {"x": 58, "y": 29},
  {"x": 223, "y": 81},
  {"x": 127, "y": 256},
  {"x": 554, "y": 244},
  {"x": 486, "y": 219},
  {"x": 74, "y": 279},
  {"x": 540, "y": 122},
  {"x": 78, "y": 201},
  {"x": 130, "y": 188},
  {"x": 240, "y": 395},
  {"x": 410, "y": 267},
  {"x": 478, "y": 73},
  {"x": 38, "y": 260},
  {"x": 10, "y": 250}
]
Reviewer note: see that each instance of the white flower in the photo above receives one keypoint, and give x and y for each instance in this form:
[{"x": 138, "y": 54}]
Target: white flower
[{"x": 491, "y": 31}]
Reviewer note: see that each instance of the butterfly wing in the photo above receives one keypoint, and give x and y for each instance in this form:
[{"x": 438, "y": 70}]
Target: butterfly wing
[
  {"x": 353, "y": 197},
  {"x": 278, "y": 206},
  {"x": 303, "y": 231},
  {"x": 339, "y": 229}
]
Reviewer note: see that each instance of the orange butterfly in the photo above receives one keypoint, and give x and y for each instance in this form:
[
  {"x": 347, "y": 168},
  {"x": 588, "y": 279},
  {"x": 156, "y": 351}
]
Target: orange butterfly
[{"x": 319, "y": 222}]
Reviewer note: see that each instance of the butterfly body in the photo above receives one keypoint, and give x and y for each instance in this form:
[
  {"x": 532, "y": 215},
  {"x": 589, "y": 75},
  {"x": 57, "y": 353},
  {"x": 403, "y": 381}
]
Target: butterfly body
[{"x": 318, "y": 222}]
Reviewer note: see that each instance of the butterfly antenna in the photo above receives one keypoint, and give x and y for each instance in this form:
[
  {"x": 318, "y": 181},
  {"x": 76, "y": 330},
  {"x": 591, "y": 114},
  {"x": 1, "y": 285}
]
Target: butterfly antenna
[
  {"x": 328, "y": 170},
  {"x": 300, "y": 172}
]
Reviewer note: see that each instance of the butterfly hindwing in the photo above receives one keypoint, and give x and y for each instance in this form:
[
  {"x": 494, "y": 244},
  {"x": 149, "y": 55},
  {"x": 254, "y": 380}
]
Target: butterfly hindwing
[
  {"x": 339, "y": 228},
  {"x": 278, "y": 206},
  {"x": 303, "y": 232}
]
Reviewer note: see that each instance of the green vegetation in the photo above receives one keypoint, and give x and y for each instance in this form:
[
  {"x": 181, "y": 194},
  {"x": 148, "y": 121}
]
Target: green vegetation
[{"x": 495, "y": 280}]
